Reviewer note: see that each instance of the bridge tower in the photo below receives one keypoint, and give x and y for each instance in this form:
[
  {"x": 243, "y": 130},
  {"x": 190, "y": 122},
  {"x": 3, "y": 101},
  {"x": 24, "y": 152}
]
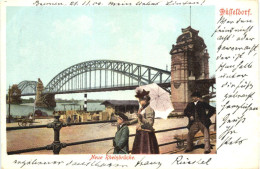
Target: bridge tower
[
  {"x": 189, "y": 68},
  {"x": 44, "y": 100}
]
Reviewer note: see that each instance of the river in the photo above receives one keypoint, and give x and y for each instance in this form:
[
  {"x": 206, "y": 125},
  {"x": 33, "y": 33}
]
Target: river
[{"x": 24, "y": 109}]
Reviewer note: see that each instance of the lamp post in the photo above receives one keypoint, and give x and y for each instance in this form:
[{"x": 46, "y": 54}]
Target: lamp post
[
  {"x": 34, "y": 105},
  {"x": 9, "y": 109}
]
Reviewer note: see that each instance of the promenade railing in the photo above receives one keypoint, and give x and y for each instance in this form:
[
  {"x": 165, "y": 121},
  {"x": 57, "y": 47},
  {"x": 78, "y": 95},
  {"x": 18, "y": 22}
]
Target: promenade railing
[{"x": 57, "y": 125}]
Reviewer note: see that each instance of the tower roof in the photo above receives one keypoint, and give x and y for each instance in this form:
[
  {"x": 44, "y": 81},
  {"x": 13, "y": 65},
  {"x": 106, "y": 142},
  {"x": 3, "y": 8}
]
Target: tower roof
[
  {"x": 190, "y": 29},
  {"x": 190, "y": 39},
  {"x": 190, "y": 34}
]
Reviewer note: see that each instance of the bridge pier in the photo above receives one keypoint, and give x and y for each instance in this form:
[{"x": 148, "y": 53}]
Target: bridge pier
[{"x": 44, "y": 100}]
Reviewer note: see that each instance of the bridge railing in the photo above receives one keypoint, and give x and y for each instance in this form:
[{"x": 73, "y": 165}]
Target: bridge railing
[
  {"x": 94, "y": 88},
  {"x": 102, "y": 88},
  {"x": 56, "y": 146}
]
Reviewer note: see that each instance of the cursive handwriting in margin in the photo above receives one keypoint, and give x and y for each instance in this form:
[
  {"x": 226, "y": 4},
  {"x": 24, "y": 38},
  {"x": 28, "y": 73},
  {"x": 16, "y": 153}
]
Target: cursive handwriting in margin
[{"x": 236, "y": 51}]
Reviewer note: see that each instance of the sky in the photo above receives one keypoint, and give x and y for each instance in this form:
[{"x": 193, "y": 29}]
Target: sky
[{"x": 43, "y": 41}]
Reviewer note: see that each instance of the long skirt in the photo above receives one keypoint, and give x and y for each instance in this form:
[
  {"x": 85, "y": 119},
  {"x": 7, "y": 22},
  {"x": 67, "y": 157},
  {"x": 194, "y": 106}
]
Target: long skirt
[{"x": 145, "y": 143}]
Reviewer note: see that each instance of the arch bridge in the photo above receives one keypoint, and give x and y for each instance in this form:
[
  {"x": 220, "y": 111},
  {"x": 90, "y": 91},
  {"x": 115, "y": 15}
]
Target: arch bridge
[
  {"x": 100, "y": 75},
  {"x": 28, "y": 88}
]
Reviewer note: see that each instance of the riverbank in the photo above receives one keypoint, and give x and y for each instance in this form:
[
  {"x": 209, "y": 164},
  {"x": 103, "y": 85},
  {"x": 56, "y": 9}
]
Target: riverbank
[
  {"x": 27, "y": 108},
  {"x": 41, "y": 121}
]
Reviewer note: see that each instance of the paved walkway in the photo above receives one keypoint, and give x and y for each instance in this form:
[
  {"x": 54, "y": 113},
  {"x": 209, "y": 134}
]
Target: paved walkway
[
  {"x": 198, "y": 145},
  {"x": 39, "y": 137}
]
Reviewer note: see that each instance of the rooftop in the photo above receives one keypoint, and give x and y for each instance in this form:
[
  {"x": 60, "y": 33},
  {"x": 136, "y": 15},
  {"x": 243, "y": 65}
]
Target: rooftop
[{"x": 121, "y": 102}]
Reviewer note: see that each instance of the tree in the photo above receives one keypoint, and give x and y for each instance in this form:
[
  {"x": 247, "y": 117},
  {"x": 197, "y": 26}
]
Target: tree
[{"x": 15, "y": 95}]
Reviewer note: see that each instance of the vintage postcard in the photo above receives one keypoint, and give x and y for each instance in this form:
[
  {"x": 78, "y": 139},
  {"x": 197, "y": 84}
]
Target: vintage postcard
[{"x": 129, "y": 84}]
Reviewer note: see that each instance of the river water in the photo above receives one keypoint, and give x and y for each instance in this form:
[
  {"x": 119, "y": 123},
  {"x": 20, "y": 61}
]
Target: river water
[{"x": 25, "y": 109}]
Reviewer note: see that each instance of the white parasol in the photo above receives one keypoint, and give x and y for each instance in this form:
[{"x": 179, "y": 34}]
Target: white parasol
[{"x": 160, "y": 100}]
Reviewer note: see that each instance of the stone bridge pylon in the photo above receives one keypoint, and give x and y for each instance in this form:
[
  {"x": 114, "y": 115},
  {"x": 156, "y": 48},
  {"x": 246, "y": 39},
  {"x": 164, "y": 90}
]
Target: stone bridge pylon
[
  {"x": 43, "y": 100},
  {"x": 189, "y": 68}
]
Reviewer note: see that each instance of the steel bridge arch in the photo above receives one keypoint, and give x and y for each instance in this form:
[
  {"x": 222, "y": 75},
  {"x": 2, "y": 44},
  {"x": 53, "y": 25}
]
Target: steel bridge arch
[
  {"x": 141, "y": 73},
  {"x": 27, "y": 87}
]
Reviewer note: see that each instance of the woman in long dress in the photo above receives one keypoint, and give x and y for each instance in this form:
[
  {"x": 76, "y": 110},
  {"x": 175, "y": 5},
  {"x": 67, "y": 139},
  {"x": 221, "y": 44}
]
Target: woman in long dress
[{"x": 145, "y": 140}]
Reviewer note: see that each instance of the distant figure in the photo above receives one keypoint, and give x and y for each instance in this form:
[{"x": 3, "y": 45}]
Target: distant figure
[
  {"x": 110, "y": 114},
  {"x": 121, "y": 140},
  {"x": 30, "y": 117},
  {"x": 68, "y": 119},
  {"x": 75, "y": 117},
  {"x": 198, "y": 121},
  {"x": 145, "y": 140}
]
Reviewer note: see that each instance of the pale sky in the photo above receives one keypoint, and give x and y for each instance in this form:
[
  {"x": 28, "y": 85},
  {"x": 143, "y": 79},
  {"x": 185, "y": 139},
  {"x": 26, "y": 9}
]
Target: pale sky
[{"x": 43, "y": 41}]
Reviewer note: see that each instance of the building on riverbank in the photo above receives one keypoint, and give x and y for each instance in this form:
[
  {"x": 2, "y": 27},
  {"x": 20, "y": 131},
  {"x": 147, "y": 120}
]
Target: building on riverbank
[{"x": 127, "y": 107}]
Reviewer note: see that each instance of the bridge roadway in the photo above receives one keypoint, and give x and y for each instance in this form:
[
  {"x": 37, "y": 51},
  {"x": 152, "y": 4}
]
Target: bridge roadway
[{"x": 97, "y": 89}]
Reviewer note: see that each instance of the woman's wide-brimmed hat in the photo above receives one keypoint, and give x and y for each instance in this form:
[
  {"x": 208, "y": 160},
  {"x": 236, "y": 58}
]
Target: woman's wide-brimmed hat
[
  {"x": 141, "y": 94},
  {"x": 196, "y": 94},
  {"x": 122, "y": 116}
]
